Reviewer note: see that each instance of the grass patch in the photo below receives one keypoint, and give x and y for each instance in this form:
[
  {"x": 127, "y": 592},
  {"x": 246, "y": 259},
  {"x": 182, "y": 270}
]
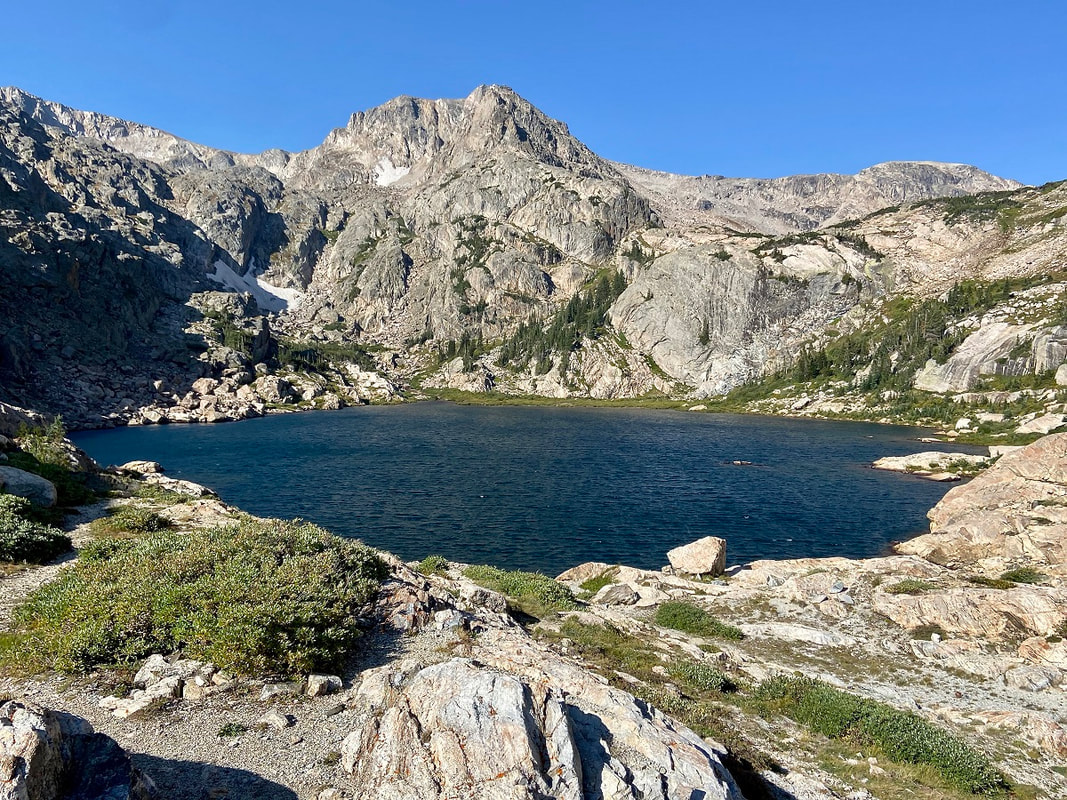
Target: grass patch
[
  {"x": 534, "y": 593},
  {"x": 904, "y": 737},
  {"x": 433, "y": 565},
  {"x": 910, "y": 586},
  {"x": 1024, "y": 575},
  {"x": 131, "y": 520},
  {"x": 989, "y": 583},
  {"x": 231, "y": 729},
  {"x": 611, "y": 649},
  {"x": 690, "y": 618},
  {"x": 702, "y": 677},
  {"x": 24, "y": 538},
  {"x": 263, "y": 597},
  {"x": 598, "y": 582}
]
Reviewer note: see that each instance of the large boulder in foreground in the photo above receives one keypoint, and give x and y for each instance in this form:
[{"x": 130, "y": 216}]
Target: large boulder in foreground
[
  {"x": 51, "y": 755},
  {"x": 705, "y": 556},
  {"x": 34, "y": 488},
  {"x": 458, "y": 729},
  {"x": 1014, "y": 512}
]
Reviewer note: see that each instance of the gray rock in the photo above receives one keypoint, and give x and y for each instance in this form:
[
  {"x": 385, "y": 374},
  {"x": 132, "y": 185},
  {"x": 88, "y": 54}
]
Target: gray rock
[
  {"x": 34, "y": 488},
  {"x": 277, "y": 720},
  {"x": 48, "y": 755},
  {"x": 318, "y": 685},
  {"x": 616, "y": 594}
]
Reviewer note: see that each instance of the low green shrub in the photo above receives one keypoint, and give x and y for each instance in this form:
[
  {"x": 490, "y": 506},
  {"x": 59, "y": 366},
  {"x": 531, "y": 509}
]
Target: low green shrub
[
  {"x": 130, "y": 519},
  {"x": 700, "y": 676},
  {"x": 231, "y": 729},
  {"x": 433, "y": 565},
  {"x": 263, "y": 597},
  {"x": 989, "y": 583},
  {"x": 902, "y": 736},
  {"x": 520, "y": 585},
  {"x": 610, "y": 649},
  {"x": 598, "y": 582},
  {"x": 688, "y": 617},
  {"x": 24, "y": 539},
  {"x": 910, "y": 586},
  {"x": 1024, "y": 575}
]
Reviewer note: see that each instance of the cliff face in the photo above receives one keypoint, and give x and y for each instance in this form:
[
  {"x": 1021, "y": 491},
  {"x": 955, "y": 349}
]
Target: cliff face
[{"x": 424, "y": 229}]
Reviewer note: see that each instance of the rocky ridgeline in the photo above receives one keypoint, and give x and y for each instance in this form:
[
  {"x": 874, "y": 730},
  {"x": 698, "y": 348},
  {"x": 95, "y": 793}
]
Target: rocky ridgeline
[
  {"x": 422, "y": 223},
  {"x": 451, "y": 697}
]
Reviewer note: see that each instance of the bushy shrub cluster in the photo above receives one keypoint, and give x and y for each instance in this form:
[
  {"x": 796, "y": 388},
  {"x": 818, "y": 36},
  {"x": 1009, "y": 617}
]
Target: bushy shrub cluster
[
  {"x": 690, "y": 618},
  {"x": 700, "y": 676},
  {"x": 523, "y": 585},
  {"x": 433, "y": 565},
  {"x": 902, "y": 736},
  {"x": 24, "y": 539},
  {"x": 910, "y": 586},
  {"x": 131, "y": 519},
  {"x": 256, "y": 597}
]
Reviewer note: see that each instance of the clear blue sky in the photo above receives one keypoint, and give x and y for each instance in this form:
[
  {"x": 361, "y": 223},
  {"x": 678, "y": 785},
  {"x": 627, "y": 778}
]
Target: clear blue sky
[{"x": 758, "y": 88}]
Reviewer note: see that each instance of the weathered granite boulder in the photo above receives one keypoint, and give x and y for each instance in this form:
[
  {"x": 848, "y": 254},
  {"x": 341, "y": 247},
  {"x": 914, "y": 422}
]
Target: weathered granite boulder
[
  {"x": 457, "y": 729},
  {"x": 34, "y": 488},
  {"x": 1016, "y": 511},
  {"x": 51, "y": 755},
  {"x": 705, "y": 556}
]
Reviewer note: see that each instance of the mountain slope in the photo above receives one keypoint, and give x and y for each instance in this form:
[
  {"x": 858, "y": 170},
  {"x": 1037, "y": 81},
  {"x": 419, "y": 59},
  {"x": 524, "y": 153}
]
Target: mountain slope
[{"x": 424, "y": 239}]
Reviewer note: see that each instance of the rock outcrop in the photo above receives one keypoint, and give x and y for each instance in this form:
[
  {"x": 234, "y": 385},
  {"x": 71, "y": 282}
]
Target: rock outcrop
[
  {"x": 1013, "y": 513},
  {"x": 49, "y": 755}
]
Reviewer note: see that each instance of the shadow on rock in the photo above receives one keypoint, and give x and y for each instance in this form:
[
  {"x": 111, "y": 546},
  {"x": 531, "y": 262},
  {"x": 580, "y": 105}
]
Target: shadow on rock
[{"x": 194, "y": 780}]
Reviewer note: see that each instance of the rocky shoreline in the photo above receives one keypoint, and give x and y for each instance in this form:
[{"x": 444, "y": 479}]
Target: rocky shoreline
[{"x": 451, "y": 696}]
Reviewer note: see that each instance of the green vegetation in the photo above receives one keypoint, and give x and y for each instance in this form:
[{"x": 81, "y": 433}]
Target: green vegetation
[
  {"x": 433, "y": 565},
  {"x": 584, "y": 315},
  {"x": 469, "y": 347},
  {"x": 902, "y": 736},
  {"x": 1024, "y": 575},
  {"x": 24, "y": 538},
  {"x": 910, "y": 586},
  {"x": 610, "y": 649},
  {"x": 989, "y": 583},
  {"x": 231, "y": 729},
  {"x": 314, "y": 355},
  {"x": 256, "y": 597},
  {"x": 598, "y": 582},
  {"x": 691, "y": 618},
  {"x": 702, "y": 677},
  {"x": 130, "y": 520},
  {"x": 534, "y": 593},
  {"x": 43, "y": 452},
  {"x": 984, "y": 206}
]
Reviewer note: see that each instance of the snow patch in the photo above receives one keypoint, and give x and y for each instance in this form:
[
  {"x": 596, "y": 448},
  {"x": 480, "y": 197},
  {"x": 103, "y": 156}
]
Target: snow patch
[
  {"x": 267, "y": 297},
  {"x": 385, "y": 173}
]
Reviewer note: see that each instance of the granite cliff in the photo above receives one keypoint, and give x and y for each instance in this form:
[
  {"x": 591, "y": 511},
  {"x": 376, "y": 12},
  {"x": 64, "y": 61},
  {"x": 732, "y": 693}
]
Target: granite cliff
[{"x": 447, "y": 243}]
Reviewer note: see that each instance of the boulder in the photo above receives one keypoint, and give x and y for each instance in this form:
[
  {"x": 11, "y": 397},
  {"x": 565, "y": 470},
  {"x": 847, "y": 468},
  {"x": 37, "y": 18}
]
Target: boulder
[
  {"x": 142, "y": 467},
  {"x": 34, "y": 488},
  {"x": 319, "y": 685},
  {"x": 616, "y": 594},
  {"x": 705, "y": 556},
  {"x": 51, "y": 755},
  {"x": 458, "y": 729},
  {"x": 1046, "y": 423}
]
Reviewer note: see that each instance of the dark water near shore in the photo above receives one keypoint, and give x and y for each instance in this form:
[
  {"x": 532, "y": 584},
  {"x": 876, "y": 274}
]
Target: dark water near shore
[{"x": 547, "y": 488}]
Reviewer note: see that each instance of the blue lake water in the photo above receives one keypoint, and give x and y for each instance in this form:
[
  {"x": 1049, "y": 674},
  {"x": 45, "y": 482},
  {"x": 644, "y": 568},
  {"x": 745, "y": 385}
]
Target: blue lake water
[{"x": 547, "y": 488}]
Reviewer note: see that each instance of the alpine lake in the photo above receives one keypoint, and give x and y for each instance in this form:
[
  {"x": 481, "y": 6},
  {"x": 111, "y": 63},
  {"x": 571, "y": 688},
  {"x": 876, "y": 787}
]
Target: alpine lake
[{"x": 546, "y": 488}]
